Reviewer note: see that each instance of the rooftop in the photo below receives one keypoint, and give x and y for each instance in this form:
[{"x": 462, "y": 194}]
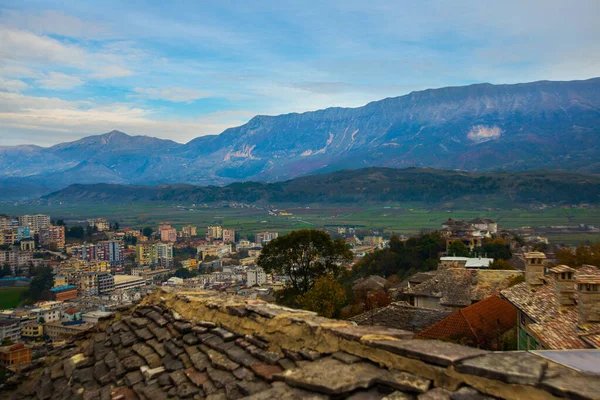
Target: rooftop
[
  {"x": 479, "y": 323},
  {"x": 556, "y": 327},
  {"x": 204, "y": 344}
]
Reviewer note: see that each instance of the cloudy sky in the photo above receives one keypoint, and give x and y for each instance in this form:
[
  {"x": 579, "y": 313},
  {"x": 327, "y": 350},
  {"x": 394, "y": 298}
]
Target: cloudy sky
[{"x": 179, "y": 70}]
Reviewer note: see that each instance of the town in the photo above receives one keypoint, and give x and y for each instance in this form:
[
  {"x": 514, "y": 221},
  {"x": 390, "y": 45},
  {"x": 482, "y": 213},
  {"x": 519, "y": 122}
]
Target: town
[{"x": 59, "y": 280}]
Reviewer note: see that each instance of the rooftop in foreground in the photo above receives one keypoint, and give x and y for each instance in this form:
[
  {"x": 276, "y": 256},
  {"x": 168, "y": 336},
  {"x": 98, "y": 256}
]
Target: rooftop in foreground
[{"x": 210, "y": 345}]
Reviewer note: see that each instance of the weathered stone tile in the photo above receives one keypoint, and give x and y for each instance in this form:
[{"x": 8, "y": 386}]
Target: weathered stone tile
[
  {"x": 185, "y": 359},
  {"x": 220, "y": 361},
  {"x": 430, "y": 351},
  {"x": 196, "y": 377},
  {"x": 127, "y": 338},
  {"x": 219, "y": 377},
  {"x": 346, "y": 357},
  {"x": 232, "y": 391},
  {"x": 178, "y": 377},
  {"x": 243, "y": 373},
  {"x": 57, "y": 371},
  {"x": 266, "y": 371},
  {"x": 182, "y": 327},
  {"x": 157, "y": 318},
  {"x": 133, "y": 377},
  {"x": 144, "y": 334},
  {"x": 133, "y": 362},
  {"x": 161, "y": 334},
  {"x": 158, "y": 347},
  {"x": 404, "y": 381},
  {"x": 238, "y": 311},
  {"x": 200, "y": 361},
  {"x": 574, "y": 387},
  {"x": 164, "y": 380},
  {"x": 187, "y": 390},
  {"x": 292, "y": 355},
  {"x": 206, "y": 324},
  {"x": 371, "y": 394},
  {"x": 355, "y": 333},
  {"x": 172, "y": 363},
  {"x": 102, "y": 373},
  {"x": 172, "y": 348},
  {"x": 240, "y": 356},
  {"x": 248, "y": 388},
  {"x": 154, "y": 392},
  {"x": 316, "y": 376},
  {"x": 398, "y": 396},
  {"x": 138, "y": 322},
  {"x": 269, "y": 357},
  {"x": 286, "y": 363},
  {"x": 190, "y": 339},
  {"x": 224, "y": 334},
  {"x": 262, "y": 344},
  {"x": 468, "y": 393},
  {"x": 310, "y": 354},
  {"x": 435, "y": 394},
  {"x": 510, "y": 367},
  {"x": 282, "y": 391}
]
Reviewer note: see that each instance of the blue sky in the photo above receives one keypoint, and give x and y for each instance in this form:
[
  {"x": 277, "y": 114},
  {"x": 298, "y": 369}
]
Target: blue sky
[{"x": 183, "y": 69}]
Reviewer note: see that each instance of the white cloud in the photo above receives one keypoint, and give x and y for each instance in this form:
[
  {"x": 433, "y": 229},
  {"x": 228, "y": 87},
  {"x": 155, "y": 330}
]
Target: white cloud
[
  {"x": 111, "y": 71},
  {"x": 12, "y": 85},
  {"x": 174, "y": 94},
  {"x": 55, "y": 23},
  {"x": 59, "y": 81},
  {"x": 481, "y": 133}
]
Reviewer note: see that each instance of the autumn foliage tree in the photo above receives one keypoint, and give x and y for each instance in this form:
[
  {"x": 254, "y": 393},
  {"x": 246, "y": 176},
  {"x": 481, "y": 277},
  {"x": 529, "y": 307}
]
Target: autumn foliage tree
[
  {"x": 326, "y": 297},
  {"x": 304, "y": 256},
  {"x": 581, "y": 255}
]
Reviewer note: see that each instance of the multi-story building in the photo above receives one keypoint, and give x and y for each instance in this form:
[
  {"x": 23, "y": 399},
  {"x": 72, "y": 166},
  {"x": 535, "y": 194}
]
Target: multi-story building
[
  {"x": 16, "y": 259},
  {"x": 109, "y": 250},
  {"x": 265, "y": 237},
  {"x": 33, "y": 330},
  {"x": 64, "y": 293},
  {"x": 190, "y": 264},
  {"x": 255, "y": 276},
  {"x": 8, "y": 236},
  {"x": 35, "y": 222},
  {"x": 64, "y": 330},
  {"x": 12, "y": 356},
  {"x": 106, "y": 283},
  {"x": 100, "y": 223},
  {"x": 52, "y": 235},
  {"x": 163, "y": 225},
  {"x": 213, "y": 250},
  {"x": 10, "y": 328},
  {"x": 154, "y": 254},
  {"x": 228, "y": 235},
  {"x": 124, "y": 282},
  {"x": 23, "y": 232},
  {"x": 6, "y": 223},
  {"x": 168, "y": 234},
  {"x": 188, "y": 231},
  {"x": 215, "y": 232}
]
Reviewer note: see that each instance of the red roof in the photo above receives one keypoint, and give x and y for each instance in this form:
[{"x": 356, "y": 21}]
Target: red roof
[
  {"x": 479, "y": 324},
  {"x": 72, "y": 310}
]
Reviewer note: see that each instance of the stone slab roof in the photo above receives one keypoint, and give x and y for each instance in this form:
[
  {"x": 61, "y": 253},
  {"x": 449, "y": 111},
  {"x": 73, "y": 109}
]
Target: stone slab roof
[
  {"x": 401, "y": 315},
  {"x": 461, "y": 286},
  {"x": 557, "y": 328},
  {"x": 206, "y": 345},
  {"x": 479, "y": 323}
]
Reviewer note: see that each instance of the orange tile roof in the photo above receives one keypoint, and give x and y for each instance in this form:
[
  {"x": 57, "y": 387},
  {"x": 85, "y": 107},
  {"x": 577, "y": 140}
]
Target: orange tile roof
[
  {"x": 72, "y": 310},
  {"x": 475, "y": 324}
]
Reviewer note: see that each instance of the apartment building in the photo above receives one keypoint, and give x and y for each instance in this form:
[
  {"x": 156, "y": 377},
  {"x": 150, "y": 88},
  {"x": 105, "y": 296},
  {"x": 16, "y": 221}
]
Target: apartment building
[
  {"x": 109, "y": 250},
  {"x": 188, "y": 231},
  {"x": 12, "y": 356},
  {"x": 215, "y": 232},
  {"x": 255, "y": 276},
  {"x": 34, "y": 222},
  {"x": 16, "y": 259},
  {"x": 106, "y": 283},
  {"x": 265, "y": 237},
  {"x": 168, "y": 235},
  {"x": 228, "y": 235},
  {"x": 100, "y": 223},
  {"x": 52, "y": 235}
]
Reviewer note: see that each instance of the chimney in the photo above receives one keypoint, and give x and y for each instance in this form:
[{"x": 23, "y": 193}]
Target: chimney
[
  {"x": 588, "y": 304},
  {"x": 564, "y": 286},
  {"x": 534, "y": 268}
]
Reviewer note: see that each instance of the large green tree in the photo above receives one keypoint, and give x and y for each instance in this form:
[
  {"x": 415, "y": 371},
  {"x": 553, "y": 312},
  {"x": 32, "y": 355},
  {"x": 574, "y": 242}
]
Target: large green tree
[{"x": 304, "y": 256}]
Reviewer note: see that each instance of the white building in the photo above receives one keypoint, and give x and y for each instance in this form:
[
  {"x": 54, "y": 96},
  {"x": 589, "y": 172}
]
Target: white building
[
  {"x": 123, "y": 282},
  {"x": 255, "y": 276}
]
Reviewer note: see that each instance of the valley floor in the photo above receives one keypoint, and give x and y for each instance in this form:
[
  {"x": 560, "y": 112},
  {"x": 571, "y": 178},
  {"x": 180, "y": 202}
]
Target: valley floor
[{"x": 400, "y": 219}]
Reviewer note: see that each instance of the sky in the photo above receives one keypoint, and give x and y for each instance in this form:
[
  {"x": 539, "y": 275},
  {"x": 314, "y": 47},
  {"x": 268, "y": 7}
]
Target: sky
[{"x": 182, "y": 69}]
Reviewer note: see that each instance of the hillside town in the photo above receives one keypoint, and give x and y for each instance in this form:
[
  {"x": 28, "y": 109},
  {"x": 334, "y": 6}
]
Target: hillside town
[{"x": 482, "y": 286}]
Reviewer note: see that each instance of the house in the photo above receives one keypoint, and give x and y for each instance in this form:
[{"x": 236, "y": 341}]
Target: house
[
  {"x": 401, "y": 315},
  {"x": 557, "y": 309},
  {"x": 12, "y": 356},
  {"x": 455, "y": 288},
  {"x": 370, "y": 284},
  {"x": 485, "y": 324},
  {"x": 72, "y": 314},
  {"x": 464, "y": 262}
]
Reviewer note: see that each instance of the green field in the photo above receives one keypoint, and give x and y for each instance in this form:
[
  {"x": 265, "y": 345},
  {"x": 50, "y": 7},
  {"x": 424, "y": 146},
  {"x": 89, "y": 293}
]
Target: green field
[
  {"x": 400, "y": 219},
  {"x": 11, "y": 297}
]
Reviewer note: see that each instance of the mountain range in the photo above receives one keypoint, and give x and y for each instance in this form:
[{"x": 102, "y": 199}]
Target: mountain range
[
  {"x": 366, "y": 185},
  {"x": 483, "y": 127}
]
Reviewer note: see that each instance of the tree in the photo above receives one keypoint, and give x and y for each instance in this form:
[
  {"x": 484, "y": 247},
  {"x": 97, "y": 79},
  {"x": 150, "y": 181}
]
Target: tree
[
  {"x": 326, "y": 297},
  {"x": 185, "y": 274},
  {"x": 304, "y": 256},
  {"x": 60, "y": 222},
  {"x": 458, "y": 249},
  {"x": 501, "y": 264},
  {"x": 43, "y": 280},
  {"x": 5, "y": 271},
  {"x": 147, "y": 231},
  {"x": 115, "y": 226}
]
